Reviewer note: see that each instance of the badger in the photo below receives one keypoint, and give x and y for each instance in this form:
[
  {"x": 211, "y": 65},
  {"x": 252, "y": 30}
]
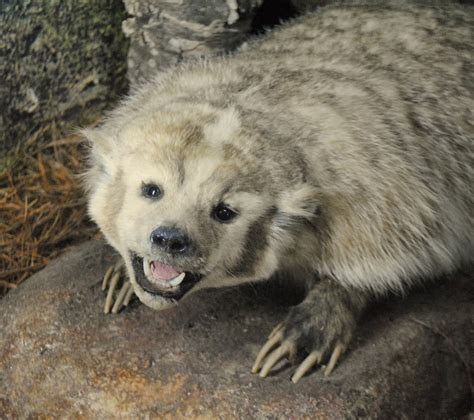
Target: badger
[{"x": 337, "y": 149}]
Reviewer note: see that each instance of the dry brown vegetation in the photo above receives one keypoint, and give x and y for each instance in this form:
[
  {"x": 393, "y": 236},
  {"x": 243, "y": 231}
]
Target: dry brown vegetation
[{"x": 42, "y": 207}]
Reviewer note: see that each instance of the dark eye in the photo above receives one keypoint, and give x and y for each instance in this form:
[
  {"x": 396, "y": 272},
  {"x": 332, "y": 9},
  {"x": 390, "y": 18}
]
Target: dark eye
[
  {"x": 152, "y": 191},
  {"x": 224, "y": 213}
]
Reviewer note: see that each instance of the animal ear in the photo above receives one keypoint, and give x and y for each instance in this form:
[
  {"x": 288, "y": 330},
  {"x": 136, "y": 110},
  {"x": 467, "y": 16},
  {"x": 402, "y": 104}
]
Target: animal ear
[
  {"x": 97, "y": 139},
  {"x": 102, "y": 150},
  {"x": 301, "y": 202}
]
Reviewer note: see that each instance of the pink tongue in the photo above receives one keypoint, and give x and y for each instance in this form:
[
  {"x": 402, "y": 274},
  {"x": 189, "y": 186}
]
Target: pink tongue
[{"x": 163, "y": 271}]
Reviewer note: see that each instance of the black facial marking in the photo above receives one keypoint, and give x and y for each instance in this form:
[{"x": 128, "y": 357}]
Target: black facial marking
[{"x": 255, "y": 244}]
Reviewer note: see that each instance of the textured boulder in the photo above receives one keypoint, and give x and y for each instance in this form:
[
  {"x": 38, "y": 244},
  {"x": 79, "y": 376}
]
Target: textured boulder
[
  {"x": 163, "y": 33},
  {"x": 60, "y": 356},
  {"x": 60, "y": 62}
]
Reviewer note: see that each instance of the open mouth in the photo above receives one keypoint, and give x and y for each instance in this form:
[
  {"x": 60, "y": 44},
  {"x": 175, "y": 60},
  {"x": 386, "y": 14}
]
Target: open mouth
[{"x": 161, "y": 279}]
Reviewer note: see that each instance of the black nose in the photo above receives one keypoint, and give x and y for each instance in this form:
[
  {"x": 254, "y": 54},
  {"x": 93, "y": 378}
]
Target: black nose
[{"x": 171, "y": 240}]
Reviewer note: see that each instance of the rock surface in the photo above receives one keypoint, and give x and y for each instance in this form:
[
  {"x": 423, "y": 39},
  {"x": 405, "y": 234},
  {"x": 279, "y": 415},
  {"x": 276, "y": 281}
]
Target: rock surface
[
  {"x": 163, "y": 33},
  {"x": 60, "y": 62},
  {"x": 60, "y": 356}
]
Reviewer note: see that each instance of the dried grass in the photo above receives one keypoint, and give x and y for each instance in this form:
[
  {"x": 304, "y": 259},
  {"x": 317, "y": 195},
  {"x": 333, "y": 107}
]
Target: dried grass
[{"x": 42, "y": 207}]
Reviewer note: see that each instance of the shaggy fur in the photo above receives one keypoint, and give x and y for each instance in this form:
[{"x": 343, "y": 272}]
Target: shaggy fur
[{"x": 344, "y": 141}]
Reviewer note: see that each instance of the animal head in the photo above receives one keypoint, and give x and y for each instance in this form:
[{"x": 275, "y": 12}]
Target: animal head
[{"x": 191, "y": 198}]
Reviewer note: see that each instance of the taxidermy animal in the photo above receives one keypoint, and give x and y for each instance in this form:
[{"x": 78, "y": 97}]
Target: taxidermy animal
[{"x": 337, "y": 148}]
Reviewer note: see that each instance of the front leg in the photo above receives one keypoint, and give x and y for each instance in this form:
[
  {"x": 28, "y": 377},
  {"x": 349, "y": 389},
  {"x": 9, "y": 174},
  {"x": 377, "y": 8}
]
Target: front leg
[{"x": 322, "y": 325}]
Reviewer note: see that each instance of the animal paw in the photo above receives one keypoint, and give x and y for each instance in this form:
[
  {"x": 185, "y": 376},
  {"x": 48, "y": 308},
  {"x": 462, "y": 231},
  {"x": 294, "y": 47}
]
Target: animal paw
[
  {"x": 114, "y": 276},
  {"x": 321, "y": 327}
]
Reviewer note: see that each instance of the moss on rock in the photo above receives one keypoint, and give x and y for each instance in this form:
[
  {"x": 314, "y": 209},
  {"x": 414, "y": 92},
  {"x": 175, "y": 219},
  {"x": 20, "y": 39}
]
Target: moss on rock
[{"x": 60, "y": 61}]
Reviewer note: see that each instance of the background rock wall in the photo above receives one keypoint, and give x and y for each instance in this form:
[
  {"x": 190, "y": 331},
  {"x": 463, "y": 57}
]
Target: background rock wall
[
  {"x": 61, "y": 62},
  {"x": 165, "y": 32}
]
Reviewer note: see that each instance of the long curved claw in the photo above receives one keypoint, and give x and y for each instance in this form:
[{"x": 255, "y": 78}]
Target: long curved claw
[
  {"x": 117, "y": 267},
  {"x": 306, "y": 365},
  {"x": 268, "y": 357},
  {"x": 286, "y": 349},
  {"x": 128, "y": 296},
  {"x": 272, "y": 342},
  {"x": 120, "y": 300},
  {"x": 321, "y": 326},
  {"x": 110, "y": 293},
  {"x": 112, "y": 278},
  {"x": 276, "y": 330},
  {"x": 107, "y": 276},
  {"x": 338, "y": 350}
]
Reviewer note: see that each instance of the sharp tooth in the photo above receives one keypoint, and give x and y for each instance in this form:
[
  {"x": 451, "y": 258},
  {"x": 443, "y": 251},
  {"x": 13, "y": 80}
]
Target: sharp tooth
[
  {"x": 146, "y": 267},
  {"x": 177, "y": 280}
]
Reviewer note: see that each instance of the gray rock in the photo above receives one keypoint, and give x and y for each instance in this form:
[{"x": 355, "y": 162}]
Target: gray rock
[
  {"x": 163, "y": 33},
  {"x": 60, "y": 356},
  {"x": 59, "y": 61}
]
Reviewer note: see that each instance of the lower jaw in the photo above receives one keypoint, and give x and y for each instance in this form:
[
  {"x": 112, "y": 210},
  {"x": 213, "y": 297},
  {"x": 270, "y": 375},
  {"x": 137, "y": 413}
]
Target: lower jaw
[{"x": 153, "y": 301}]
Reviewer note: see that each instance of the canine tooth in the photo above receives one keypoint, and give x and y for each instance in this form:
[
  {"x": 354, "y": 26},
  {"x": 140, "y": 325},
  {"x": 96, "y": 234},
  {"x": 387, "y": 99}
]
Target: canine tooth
[
  {"x": 177, "y": 280},
  {"x": 146, "y": 267}
]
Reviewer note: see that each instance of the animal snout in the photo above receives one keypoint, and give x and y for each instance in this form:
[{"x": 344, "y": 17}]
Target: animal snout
[{"x": 170, "y": 240}]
